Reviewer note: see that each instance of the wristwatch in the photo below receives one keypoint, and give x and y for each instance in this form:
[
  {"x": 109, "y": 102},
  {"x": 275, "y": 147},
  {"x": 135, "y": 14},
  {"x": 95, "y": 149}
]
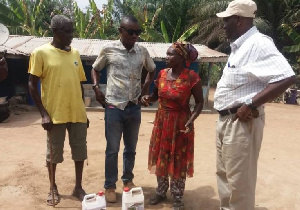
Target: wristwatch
[
  {"x": 249, "y": 103},
  {"x": 95, "y": 85}
]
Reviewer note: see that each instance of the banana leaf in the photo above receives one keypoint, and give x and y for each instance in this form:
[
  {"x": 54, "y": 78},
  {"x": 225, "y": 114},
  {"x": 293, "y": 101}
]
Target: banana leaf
[
  {"x": 151, "y": 35},
  {"x": 8, "y": 17},
  {"x": 189, "y": 32},
  {"x": 164, "y": 32}
]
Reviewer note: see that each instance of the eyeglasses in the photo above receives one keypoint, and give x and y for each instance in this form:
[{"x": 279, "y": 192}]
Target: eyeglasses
[{"x": 131, "y": 31}]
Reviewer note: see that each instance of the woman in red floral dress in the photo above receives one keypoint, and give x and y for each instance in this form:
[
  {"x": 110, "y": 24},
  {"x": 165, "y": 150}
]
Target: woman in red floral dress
[{"x": 171, "y": 150}]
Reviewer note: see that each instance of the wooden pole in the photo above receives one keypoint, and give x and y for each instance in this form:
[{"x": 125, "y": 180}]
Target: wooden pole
[{"x": 51, "y": 169}]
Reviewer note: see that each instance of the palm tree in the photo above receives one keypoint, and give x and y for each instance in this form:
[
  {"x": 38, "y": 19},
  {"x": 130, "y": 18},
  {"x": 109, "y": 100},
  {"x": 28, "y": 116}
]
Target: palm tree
[
  {"x": 210, "y": 31},
  {"x": 161, "y": 20}
]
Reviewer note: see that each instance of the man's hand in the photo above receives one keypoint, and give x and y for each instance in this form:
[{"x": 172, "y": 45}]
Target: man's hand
[
  {"x": 3, "y": 69},
  {"x": 244, "y": 113},
  {"x": 100, "y": 97},
  {"x": 46, "y": 122}
]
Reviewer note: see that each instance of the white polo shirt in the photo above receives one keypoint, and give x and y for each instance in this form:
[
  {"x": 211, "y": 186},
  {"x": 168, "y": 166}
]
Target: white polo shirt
[{"x": 254, "y": 62}]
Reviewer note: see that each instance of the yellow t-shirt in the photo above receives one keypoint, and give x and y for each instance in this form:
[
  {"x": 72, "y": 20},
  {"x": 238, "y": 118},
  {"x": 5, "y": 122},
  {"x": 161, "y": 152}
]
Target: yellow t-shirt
[{"x": 60, "y": 74}]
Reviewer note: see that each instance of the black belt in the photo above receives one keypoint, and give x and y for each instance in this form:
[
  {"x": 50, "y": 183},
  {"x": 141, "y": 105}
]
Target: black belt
[
  {"x": 229, "y": 111},
  {"x": 130, "y": 103}
]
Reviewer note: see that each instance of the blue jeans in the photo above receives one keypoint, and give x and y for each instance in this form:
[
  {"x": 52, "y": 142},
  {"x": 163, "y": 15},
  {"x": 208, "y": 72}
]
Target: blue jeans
[{"x": 118, "y": 122}]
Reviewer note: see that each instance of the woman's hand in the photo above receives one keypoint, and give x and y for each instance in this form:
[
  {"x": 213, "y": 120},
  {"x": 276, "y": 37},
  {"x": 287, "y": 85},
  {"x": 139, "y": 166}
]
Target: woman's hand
[{"x": 188, "y": 127}]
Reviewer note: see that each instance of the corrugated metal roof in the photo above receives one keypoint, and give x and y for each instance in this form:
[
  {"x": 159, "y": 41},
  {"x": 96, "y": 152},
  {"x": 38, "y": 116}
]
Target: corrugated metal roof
[{"x": 17, "y": 46}]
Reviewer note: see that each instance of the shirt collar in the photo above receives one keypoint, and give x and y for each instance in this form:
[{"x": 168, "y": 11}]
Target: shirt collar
[
  {"x": 238, "y": 43},
  {"x": 133, "y": 49}
]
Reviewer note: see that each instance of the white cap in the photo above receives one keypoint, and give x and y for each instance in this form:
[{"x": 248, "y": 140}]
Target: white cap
[{"x": 243, "y": 8}]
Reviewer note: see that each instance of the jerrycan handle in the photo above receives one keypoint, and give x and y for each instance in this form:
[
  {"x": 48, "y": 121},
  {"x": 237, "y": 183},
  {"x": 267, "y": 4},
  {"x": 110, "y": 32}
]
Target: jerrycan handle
[
  {"x": 136, "y": 190},
  {"x": 90, "y": 198}
]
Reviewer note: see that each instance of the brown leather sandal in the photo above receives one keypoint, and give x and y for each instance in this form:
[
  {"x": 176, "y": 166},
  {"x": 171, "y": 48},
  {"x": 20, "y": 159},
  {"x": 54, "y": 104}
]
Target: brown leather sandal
[{"x": 56, "y": 200}]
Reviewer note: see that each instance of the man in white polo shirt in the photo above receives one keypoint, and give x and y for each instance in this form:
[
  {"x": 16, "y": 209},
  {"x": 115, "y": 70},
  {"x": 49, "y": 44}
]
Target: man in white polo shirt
[{"x": 255, "y": 73}]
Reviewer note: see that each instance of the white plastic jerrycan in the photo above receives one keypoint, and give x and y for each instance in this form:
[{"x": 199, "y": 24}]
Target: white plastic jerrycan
[
  {"x": 133, "y": 199},
  {"x": 94, "y": 202}
]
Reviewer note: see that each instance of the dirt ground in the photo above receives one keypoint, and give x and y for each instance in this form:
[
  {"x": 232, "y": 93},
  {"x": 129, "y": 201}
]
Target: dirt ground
[{"x": 24, "y": 182}]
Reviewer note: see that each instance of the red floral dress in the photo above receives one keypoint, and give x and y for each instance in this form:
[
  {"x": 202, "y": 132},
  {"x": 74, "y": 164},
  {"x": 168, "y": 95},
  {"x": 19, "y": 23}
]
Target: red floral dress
[{"x": 171, "y": 152}]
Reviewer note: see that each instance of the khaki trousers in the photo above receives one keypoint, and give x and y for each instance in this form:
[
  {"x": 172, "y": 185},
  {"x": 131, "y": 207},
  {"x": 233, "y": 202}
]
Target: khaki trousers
[{"x": 238, "y": 145}]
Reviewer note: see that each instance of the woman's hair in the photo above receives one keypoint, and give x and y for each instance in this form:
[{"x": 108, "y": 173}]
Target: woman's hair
[
  {"x": 186, "y": 50},
  {"x": 58, "y": 21}
]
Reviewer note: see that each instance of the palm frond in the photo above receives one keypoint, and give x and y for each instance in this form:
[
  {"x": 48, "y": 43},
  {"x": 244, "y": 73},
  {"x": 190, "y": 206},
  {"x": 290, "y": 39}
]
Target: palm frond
[
  {"x": 177, "y": 30},
  {"x": 291, "y": 49}
]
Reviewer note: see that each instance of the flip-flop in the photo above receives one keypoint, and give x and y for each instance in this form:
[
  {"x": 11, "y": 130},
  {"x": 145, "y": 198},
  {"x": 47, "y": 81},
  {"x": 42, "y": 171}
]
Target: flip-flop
[
  {"x": 79, "y": 193},
  {"x": 56, "y": 198}
]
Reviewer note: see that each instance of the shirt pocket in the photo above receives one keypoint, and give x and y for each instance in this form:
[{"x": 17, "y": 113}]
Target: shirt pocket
[{"x": 236, "y": 77}]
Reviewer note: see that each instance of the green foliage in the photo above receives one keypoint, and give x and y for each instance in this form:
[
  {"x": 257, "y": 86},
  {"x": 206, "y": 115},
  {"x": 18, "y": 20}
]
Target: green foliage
[
  {"x": 188, "y": 33},
  {"x": 81, "y": 21},
  {"x": 210, "y": 31},
  {"x": 295, "y": 37},
  {"x": 27, "y": 17},
  {"x": 177, "y": 30},
  {"x": 152, "y": 35},
  {"x": 276, "y": 18},
  {"x": 213, "y": 75},
  {"x": 8, "y": 16},
  {"x": 161, "y": 20},
  {"x": 164, "y": 31},
  {"x": 264, "y": 26},
  {"x": 122, "y": 8},
  {"x": 165, "y": 20},
  {"x": 176, "y": 16}
]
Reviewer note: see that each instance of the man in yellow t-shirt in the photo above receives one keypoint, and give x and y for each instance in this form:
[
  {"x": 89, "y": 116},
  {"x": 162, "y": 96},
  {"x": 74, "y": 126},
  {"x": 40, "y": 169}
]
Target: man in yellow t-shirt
[{"x": 59, "y": 69}]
